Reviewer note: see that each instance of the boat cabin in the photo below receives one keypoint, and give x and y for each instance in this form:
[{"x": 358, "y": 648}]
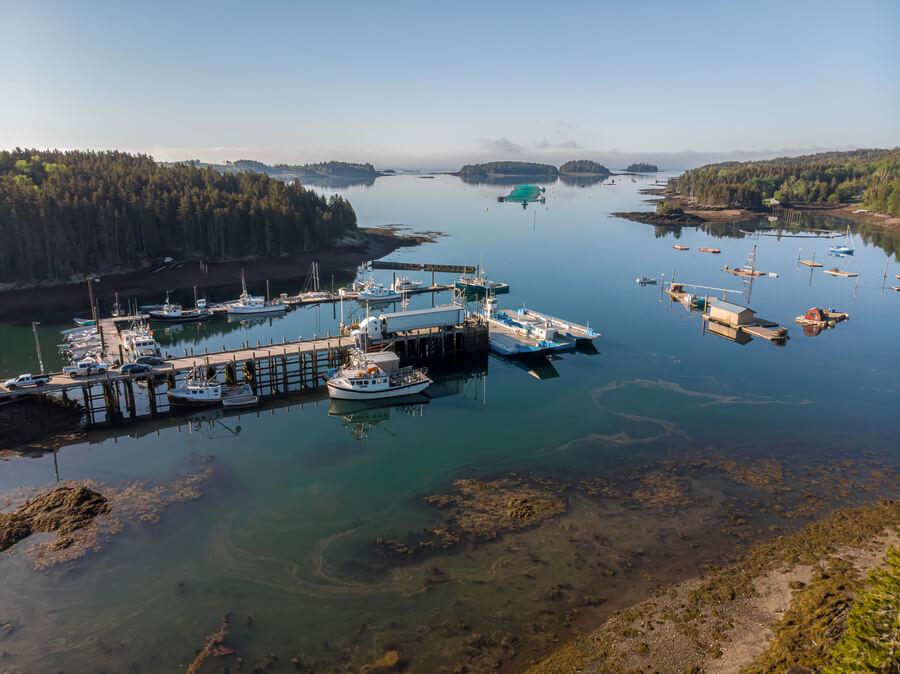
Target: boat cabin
[{"x": 728, "y": 313}]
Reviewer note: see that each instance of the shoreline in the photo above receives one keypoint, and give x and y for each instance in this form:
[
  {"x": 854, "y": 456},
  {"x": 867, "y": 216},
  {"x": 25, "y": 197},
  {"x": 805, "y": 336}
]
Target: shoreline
[
  {"x": 378, "y": 242},
  {"x": 733, "y": 617}
]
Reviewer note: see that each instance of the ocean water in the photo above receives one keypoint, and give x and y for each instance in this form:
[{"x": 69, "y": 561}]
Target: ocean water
[{"x": 285, "y": 529}]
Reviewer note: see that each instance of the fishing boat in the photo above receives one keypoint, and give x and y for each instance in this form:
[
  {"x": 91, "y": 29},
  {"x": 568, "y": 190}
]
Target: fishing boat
[
  {"x": 688, "y": 300},
  {"x": 645, "y": 281},
  {"x": 374, "y": 291},
  {"x": 478, "y": 285},
  {"x": 174, "y": 313},
  {"x": 138, "y": 341},
  {"x": 243, "y": 398},
  {"x": 679, "y": 246},
  {"x": 373, "y": 376},
  {"x": 844, "y": 249},
  {"x": 252, "y": 304},
  {"x": 708, "y": 249},
  {"x": 202, "y": 388},
  {"x": 402, "y": 283}
]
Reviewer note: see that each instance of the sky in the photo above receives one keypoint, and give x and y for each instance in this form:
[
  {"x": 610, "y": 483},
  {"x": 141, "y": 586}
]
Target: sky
[{"x": 436, "y": 84}]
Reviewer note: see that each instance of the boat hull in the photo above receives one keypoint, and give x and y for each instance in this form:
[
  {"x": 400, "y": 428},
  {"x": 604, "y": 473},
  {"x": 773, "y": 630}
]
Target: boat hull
[
  {"x": 179, "y": 401},
  {"x": 250, "y": 311},
  {"x": 341, "y": 393},
  {"x": 481, "y": 291}
]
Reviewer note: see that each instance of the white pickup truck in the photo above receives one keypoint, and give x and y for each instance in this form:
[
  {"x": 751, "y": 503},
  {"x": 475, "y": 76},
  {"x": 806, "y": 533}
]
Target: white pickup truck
[
  {"x": 85, "y": 368},
  {"x": 24, "y": 380}
]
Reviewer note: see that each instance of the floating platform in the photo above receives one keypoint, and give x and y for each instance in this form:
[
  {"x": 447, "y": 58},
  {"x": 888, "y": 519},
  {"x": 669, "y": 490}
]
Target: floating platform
[
  {"x": 743, "y": 319},
  {"x": 834, "y": 271},
  {"x": 810, "y": 263},
  {"x": 527, "y": 332},
  {"x": 678, "y": 246},
  {"x": 708, "y": 249}
]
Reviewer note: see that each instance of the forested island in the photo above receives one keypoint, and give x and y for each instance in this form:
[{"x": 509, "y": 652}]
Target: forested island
[
  {"x": 584, "y": 167},
  {"x": 329, "y": 172},
  {"x": 67, "y": 214},
  {"x": 522, "y": 169},
  {"x": 871, "y": 177},
  {"x": 641, "y": 167}
]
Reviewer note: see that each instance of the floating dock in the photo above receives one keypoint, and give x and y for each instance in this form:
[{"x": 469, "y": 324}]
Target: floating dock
[
  {"x": 527, "y": 332},
  {"x": 743, "y": 319}
]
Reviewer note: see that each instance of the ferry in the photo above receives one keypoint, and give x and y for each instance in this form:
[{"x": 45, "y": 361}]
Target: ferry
[{"x": 374, "y": 376}]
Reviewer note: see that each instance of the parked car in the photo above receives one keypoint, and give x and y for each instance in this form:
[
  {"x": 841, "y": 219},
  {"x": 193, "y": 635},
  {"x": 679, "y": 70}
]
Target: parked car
[
  {"x": 150, "y": 360},
  {"x": 135, "y": 368},
  {"x": 25, "y": 380},
  {"x": 85, "y": 368}
]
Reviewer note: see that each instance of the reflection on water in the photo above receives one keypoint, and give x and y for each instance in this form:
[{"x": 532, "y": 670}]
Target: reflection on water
[{"x": 670, "y": 448}]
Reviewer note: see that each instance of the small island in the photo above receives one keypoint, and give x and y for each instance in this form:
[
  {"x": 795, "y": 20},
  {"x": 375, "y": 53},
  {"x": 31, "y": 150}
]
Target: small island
[
  {"x": 642, "y": 167},
  {"x": 665, "y": 215},
  {"x": 508, "y": 169},
  {"x": 583, "y": 167}
]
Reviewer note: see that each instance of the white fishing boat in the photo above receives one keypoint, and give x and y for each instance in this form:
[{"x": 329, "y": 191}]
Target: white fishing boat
[
  {"x": 173, "y": 312},
  {"x": 374, "y": 376},
  {"x": 138, "y": 341},
  {"x": 253, "y": 304},
  {"x": 402, "y": 283},
  {"x": 376, "y": 292},
  {"x": 202, "y": 389}
]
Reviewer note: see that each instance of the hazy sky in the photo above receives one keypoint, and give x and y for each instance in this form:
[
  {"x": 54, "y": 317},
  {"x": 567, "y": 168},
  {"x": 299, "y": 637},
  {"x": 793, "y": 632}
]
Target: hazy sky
[{"x": 435, "y": 83}]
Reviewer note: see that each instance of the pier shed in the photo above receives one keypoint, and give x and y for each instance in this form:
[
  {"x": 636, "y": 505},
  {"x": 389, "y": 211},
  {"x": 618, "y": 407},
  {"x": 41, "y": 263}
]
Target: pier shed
[{"x": 731, "y": 314}]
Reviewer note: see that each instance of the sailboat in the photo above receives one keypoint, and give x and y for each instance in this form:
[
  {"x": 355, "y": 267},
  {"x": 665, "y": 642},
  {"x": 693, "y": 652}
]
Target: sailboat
[
  {"x": 252, "y": 304},
  {"x": 311, "y": 289},
  {"x": 749, "y": 268},
  {"x": 843, "y": 249}
]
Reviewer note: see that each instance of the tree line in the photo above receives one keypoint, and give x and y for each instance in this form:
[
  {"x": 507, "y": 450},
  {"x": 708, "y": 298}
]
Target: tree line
[
  {"x": 66, "y": 214},
  {"x": 871, "y": 177}
]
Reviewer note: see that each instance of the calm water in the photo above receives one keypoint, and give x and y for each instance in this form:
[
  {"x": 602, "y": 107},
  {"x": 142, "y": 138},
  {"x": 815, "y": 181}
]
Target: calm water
[{"x": 284, "y": 532}]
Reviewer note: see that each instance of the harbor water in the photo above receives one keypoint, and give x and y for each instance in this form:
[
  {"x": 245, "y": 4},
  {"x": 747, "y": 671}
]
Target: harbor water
[{"x": 284, "y": 536}]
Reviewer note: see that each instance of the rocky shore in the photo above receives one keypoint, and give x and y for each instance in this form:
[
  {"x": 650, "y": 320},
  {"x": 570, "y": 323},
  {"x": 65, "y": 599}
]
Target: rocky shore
[
  {"x": 781, "y": 607},
  {"x": 368, "y": 244}
]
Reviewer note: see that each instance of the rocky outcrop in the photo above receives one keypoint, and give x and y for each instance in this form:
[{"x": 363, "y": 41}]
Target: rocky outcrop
[{"x": 63, "y": 510}]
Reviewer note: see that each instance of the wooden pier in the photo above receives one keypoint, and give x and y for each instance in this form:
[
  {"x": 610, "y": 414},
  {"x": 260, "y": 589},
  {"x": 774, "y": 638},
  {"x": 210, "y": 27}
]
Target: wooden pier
[
  {"x": 270, "y": 369},
  {"x": 424, "y": 266}
]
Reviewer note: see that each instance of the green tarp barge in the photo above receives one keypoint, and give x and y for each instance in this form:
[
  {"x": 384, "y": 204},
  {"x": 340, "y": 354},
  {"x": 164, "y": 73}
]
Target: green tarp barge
[{"x": 522, "y": 194}]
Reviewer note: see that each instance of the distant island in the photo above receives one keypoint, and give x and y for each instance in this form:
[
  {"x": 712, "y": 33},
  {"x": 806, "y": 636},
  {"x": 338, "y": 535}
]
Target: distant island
[
  {"x": 583, "y": 167},
  {"x": 641, "y": 167},
  {"x": 508, "y": 169},
  {"x": 67, "y": 214}
]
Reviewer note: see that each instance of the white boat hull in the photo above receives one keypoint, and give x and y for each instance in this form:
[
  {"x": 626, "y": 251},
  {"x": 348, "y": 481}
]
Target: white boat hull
[
  {"x": 341, "y": 393},
  {"x": 243, "y": 311}
]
